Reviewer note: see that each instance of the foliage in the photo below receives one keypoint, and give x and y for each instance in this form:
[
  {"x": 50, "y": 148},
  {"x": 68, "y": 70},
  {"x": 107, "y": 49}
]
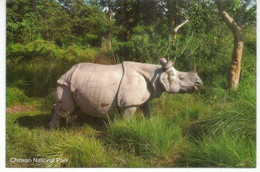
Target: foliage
[
  {"x": 15, "y": 96},
  {"x": 35, "y": 67},
  {"x": 64, "y": 24},
  {"x": 214, "y": 127}
]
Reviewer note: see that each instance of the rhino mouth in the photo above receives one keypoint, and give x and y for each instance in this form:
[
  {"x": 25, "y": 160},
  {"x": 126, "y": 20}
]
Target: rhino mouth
[
  {"x": 195, "y": 88},
  {"x": 190, "y": 89}
]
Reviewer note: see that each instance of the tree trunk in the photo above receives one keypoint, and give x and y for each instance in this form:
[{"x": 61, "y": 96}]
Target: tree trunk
[
  {"x": 107, "y": 40},
  {"x": 234, "y": 74},
  {"x": 109, "y": 46}
]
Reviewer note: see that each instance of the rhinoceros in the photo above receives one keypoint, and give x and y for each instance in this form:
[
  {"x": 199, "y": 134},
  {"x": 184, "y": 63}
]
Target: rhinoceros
[{"x": 101, "y": 90}]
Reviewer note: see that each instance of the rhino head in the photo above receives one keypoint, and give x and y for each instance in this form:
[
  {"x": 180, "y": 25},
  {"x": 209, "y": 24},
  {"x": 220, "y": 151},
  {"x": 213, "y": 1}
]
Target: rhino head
[{"x": 174, "y": 81}]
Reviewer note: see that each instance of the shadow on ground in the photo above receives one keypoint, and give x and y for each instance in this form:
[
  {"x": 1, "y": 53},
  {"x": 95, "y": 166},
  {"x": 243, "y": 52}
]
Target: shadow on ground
[
  {"x": 42, "y": 121},
  {"x": 37, "y": 121}
]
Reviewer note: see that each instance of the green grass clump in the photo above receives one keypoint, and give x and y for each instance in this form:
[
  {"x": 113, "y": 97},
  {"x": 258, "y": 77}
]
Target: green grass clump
[
  {"x": 238, "y": 117},
  {"x": 78, "y": 146},
  {"x": 15, "y": 96},
  {"x": 81, "y": 151},
  {"x": 156, "y": 137},
  {"x": 221, "y": 150}
]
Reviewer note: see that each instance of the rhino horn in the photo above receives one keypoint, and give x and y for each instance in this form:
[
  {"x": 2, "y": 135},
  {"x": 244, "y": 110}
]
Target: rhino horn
[
  {"x": 166, "y": 64},
  {"x": 194, "y": 68}
]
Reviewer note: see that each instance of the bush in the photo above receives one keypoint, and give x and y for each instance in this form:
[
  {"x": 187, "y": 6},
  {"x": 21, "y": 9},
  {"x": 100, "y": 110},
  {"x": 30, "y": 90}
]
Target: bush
[
  {"x": 35, "y": 67},
  {"x": 15, "y": 96}
]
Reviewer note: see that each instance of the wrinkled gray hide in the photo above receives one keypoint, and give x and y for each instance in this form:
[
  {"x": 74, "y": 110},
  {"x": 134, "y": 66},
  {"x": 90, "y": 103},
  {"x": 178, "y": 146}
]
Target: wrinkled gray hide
[{"x": 100, "y": 90}]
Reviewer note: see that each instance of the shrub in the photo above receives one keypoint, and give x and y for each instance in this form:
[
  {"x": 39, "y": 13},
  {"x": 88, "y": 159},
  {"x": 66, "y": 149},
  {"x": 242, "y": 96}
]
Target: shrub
[
  {"x": 35, "y": 67},
  {"x": 15, "y": 96}
]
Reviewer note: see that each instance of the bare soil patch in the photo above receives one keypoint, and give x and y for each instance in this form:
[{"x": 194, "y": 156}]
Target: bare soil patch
[{"x": 18, "y": 108}]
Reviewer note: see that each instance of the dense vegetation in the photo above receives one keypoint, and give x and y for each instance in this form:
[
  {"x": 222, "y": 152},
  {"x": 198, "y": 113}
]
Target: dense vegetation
[{"x": 215, "y": 127}]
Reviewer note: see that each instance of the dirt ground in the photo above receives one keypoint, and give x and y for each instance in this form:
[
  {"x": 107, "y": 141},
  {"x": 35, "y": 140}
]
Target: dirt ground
[{"x": 18, "y": 108}]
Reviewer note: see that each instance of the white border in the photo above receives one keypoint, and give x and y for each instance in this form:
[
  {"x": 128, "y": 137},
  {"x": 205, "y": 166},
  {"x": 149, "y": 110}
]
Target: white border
[
  {"x": 257, "y": 86},
  {"x": 2, "y": 116},
  {"x": 2, "y": 81}
]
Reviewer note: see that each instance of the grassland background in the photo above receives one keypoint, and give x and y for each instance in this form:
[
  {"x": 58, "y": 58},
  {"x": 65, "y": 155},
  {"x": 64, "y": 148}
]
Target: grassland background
[{"x": 214, "y": 127}]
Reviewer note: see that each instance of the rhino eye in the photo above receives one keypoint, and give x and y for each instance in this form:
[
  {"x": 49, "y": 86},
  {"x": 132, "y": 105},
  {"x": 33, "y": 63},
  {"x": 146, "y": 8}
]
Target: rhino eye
[
  {"x": 170, "y": 73},
  {"x": 182, "y": 77}
]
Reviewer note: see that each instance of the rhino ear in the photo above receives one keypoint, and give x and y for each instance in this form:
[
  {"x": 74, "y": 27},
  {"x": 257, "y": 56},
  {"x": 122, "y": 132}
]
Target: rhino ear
[
  {"x": 166, "y": 64},
  {"x": 163, "y": 61},
  {"x": 164, "y": 81}
]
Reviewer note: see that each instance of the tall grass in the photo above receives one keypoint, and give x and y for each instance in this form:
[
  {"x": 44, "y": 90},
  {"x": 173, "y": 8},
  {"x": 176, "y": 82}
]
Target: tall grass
[
  {"x": 226, "y": 135},
  {"x": 80, "y": 148},
  {"x": 179, "y": 134},
  {"x": 36, "y": 66},
  {"x": 15, "y": 96},
  {"x": 156, "y": 137},
  {"x": 221, "y": 150},
  {"x": 28, "y": 137}
]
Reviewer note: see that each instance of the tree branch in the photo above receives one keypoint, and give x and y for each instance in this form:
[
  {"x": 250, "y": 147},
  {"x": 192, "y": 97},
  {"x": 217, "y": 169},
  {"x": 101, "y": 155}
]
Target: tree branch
[
  {"x": 240, "y": 14},
  {"x": 175, "y": 30},
  {"x": 227, "y": 19}
]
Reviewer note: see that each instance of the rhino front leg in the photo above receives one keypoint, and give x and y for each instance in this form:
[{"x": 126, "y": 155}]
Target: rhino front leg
[
  {"x": 55, "y": 121},
  {"x": 146, "y": 109},
  {"x": 128, "y": 112},
  {"x": 64, "y": 105}
]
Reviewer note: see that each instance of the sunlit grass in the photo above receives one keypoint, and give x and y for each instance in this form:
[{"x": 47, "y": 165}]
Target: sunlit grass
[
  {"x": 156, "y": 138},
  {"x": 220, "y": 150}
]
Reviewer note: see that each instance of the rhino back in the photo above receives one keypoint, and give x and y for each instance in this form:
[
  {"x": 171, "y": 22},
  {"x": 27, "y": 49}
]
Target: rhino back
[
  {"x": 65, "y": 78},
  {"x": 95, "y": 87}
]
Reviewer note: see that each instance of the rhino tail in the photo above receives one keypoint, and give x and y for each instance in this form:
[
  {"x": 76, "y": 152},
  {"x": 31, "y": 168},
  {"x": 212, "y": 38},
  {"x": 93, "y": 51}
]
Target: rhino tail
[{"x": 65, "y": 79}]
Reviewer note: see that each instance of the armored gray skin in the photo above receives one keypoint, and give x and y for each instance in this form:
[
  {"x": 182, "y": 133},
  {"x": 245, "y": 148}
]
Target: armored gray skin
[{"x": 101, "y": 90}]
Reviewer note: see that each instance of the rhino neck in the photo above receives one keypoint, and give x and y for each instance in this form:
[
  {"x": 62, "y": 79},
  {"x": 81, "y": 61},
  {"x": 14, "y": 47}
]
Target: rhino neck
[
  {"x": 151, "y": 73},
  {"x": 157, "y": 86}
]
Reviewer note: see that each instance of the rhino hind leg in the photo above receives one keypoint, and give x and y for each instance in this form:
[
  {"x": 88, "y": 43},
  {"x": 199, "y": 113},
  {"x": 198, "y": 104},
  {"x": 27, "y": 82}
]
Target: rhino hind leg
[{"x": 64, "y": 105}]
